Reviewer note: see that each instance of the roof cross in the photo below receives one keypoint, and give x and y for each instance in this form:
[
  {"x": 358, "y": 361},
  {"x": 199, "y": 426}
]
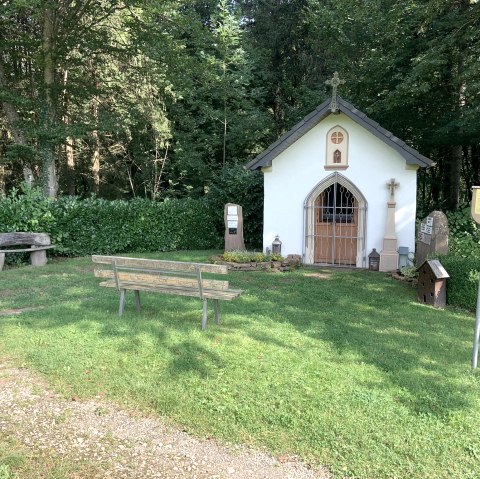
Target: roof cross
[{"x": 334, "y": 82}]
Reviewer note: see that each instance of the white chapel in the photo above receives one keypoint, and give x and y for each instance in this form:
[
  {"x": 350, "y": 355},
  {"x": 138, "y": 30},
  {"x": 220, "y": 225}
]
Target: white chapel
[{"x": 338, "y": 185}]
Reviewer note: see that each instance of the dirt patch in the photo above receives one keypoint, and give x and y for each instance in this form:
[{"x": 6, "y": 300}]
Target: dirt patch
[
  {"x": 319, "y": 275},
  {"x": 10, "y": 312},
  {"x": 7, "y": 293},
  {"x": 405, "y": 279},
  {"x": 122, "y": 444}
]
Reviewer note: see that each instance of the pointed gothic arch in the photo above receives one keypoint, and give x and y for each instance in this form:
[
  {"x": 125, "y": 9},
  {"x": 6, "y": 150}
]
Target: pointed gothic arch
[{"x": 335, "y": 219}]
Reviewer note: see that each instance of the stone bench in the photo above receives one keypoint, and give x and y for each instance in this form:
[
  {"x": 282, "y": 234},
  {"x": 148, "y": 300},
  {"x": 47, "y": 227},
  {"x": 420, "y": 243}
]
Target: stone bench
[
  {"x": 38, "y": 243},
  {"x": 168, "y": 277}
]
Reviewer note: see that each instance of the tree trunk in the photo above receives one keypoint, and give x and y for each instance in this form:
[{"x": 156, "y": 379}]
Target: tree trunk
[
  {"x": 475, "y": 162},
  {"x": 96, "y": 146},
  {"x": 69, "y": 152},
  {"x": 47, "y": 144},
  {"x": 69, "y": 142},
  {"x": 224, "y": 132},
  {"x": 455, "y": 170},
  {"x": 96, "y": 162},
  {"x": 2, "y": 180},
  {"x": 17, "y": 133}
]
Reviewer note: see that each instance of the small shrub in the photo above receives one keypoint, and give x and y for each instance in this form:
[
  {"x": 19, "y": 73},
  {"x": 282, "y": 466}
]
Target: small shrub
[
  {"x": 464, "y": 238},
  {"x": 250, "y": 256},
  {"x": 244, "y": 257},
  {"x": 409, "y": 271}
]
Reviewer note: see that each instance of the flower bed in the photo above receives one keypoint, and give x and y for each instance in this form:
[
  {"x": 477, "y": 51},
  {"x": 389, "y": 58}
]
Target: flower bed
[{"x": 259, "y": 262}]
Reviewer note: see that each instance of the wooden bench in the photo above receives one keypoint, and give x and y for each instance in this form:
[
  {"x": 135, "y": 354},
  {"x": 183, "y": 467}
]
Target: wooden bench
[
  {"x": 169, "y": 277},
  {"x": 38, "y": 244}
]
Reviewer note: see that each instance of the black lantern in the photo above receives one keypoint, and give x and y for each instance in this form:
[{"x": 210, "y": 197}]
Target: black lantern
[
  {"x": 374, "y": 260},
  {"x": 276, "y": 246}
]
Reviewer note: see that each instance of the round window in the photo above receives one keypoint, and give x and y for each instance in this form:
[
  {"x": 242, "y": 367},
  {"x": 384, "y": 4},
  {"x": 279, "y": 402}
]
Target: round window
[{"x": 337, "y": 137}]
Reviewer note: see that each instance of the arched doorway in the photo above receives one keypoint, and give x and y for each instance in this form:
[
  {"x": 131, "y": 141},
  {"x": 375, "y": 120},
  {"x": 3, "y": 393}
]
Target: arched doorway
[{"x": 335, "y": 213}]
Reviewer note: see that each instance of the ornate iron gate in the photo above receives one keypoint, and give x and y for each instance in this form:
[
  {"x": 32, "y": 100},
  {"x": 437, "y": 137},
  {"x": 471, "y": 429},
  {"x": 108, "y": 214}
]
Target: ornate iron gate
[{"x": 335, "y": 218}]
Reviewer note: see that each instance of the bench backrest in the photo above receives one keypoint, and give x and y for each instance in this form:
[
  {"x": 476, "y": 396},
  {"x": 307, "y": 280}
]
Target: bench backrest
[
  {"x": 161, "y": 273},
  {"x": 19, "y": 238}
]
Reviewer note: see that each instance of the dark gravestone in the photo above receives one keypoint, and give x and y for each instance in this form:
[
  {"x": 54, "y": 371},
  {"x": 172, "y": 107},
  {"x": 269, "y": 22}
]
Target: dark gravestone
[{"x": 432, "y": 236}]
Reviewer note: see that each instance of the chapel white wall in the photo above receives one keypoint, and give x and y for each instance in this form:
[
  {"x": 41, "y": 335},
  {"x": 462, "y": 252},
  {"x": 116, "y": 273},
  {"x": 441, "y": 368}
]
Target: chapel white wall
[{"x": 297, "y": 170}]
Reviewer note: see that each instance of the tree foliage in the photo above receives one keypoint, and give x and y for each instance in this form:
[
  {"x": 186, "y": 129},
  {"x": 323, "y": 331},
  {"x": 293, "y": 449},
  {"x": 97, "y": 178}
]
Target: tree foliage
[{"x": 154, "y": 99}]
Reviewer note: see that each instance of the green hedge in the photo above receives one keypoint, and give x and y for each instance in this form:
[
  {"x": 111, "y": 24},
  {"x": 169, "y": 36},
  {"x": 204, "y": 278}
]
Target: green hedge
[
  {"x": 95, "y": 226},
  {"x": 462, "y": 286},
  {"x": 464, "y": 234}
]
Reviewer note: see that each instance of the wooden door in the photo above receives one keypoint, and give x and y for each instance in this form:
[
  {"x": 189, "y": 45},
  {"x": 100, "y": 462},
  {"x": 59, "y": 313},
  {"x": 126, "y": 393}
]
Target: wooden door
[{"x": 336, "y": 226}]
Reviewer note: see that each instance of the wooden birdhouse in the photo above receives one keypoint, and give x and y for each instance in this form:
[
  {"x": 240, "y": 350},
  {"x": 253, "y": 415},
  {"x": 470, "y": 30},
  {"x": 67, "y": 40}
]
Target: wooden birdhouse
[{"x": 432, "y": 283}]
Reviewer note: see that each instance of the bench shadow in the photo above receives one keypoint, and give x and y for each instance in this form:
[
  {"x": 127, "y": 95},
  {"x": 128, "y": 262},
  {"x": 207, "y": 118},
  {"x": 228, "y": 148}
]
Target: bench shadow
[{"x": 420, "y": 355}]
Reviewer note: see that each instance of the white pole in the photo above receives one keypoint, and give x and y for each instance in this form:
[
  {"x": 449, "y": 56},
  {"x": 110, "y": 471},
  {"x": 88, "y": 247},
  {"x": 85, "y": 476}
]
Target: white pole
[
  {"x": 477, "y": 330},
  {"x": 475, "y": 212}
]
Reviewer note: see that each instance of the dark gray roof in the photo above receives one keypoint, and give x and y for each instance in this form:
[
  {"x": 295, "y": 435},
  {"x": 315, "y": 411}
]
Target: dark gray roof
[
  {"x": 437, "y": 268},
  {"x": 411, "y": 156}
]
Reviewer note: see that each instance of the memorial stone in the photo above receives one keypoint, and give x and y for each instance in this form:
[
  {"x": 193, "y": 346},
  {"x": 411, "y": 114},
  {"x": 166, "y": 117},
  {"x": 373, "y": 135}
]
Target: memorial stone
[
  {"x": 432, "y": 236},
  {"x": 233, "y": 228}
]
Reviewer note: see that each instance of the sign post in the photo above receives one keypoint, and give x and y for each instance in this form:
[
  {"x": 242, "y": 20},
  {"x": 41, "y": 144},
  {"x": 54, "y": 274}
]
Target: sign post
[
  {"x": 233, "y": 228},
  {"x": 475, "y": 211}
]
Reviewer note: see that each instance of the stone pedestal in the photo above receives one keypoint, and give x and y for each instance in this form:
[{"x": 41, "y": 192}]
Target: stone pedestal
[
  {"x": 38, "y": 258},
  {"x": 389, "y": 255},
  {"x": 388, "y": 261}
]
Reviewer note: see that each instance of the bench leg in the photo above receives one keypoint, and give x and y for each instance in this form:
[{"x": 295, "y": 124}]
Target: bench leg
[
  {"x": 204, "y": 315},
  {"x": 2, "y": 260},
  {"x": 38, "y": 258},
  {"x": 138, "y": 305},
  {"x": 216, "y": 308},
  {"x": 121, "y": 308}
]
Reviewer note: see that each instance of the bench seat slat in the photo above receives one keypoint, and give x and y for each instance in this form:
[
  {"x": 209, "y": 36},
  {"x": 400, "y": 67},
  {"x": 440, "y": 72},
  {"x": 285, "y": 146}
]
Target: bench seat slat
[
  {"x": 160, "y": 264},
  {"x": 161, "y": 280},
  {"x": 21, "y": 238},
  {"x": 177, "y": 290},
  {"x": 26, "y": 250}
]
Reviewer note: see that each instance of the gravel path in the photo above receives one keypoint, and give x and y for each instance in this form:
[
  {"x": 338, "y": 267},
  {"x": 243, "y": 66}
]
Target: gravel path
[{"x": 122, "y": 444}]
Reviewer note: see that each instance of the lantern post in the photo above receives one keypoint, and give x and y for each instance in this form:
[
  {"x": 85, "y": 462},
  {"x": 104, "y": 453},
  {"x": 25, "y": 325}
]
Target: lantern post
[{"x": 475, "y": 211}]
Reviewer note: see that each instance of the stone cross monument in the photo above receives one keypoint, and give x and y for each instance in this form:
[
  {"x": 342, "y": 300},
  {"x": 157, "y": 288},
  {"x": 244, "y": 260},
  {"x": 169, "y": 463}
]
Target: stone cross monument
[
  {"x": 389, "y": 254},
  {"x": 334, "y": 82}
]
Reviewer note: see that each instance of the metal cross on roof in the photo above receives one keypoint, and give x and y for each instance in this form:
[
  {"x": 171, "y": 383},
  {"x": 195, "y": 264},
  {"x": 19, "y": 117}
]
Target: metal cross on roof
[{"x": 334, "y": 82}]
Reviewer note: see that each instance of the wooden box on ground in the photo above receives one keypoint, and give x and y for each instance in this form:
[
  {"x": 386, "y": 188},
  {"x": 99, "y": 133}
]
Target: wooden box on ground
[
  {"x": 169, "y": 277},
  {"x": 432, "y": 283}
]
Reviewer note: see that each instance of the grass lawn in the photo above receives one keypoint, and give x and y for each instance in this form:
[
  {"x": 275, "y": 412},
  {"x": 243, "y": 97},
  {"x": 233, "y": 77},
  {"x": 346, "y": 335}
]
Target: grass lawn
[{"x": 343, "y": 368}]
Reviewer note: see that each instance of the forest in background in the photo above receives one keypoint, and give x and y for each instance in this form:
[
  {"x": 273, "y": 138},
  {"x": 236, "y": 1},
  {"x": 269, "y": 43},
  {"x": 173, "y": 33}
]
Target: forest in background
[{"x": 147, "y": 99}]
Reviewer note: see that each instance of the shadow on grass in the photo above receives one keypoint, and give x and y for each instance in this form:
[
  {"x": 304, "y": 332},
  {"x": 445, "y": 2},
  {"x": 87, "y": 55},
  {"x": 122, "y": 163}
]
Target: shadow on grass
[
  {"x": 420, "y": 350},
  {"x": 362, "y": 317}
]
